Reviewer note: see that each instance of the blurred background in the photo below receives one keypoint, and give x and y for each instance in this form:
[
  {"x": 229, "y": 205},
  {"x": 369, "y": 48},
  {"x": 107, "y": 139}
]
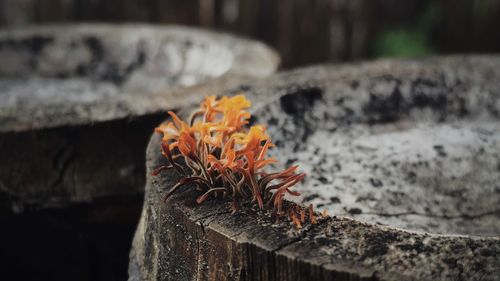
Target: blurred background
[{"x": 303, "y": 31}]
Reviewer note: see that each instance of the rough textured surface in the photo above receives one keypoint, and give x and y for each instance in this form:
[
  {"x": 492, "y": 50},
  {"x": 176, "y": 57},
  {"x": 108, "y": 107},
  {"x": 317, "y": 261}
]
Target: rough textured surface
[
  {"x": 59, "y": 75},
  {"x": 78, "y": 102},
  {"x": 412, "y": 145},
  {"x": 438, "y": 108}
]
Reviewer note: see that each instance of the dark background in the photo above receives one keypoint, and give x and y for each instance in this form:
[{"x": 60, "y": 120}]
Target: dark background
[
  {"x": 91, "y": 241},
  {"x": 303, "y": 31}
]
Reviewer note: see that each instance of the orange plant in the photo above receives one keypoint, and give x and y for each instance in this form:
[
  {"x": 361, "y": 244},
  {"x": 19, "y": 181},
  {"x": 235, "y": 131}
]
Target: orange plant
[{"x": 225, "y": 158}]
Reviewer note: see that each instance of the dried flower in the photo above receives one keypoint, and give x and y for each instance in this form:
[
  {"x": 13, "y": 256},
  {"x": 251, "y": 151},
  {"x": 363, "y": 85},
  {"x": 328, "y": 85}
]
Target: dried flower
[{"x": 226, "y": 158}]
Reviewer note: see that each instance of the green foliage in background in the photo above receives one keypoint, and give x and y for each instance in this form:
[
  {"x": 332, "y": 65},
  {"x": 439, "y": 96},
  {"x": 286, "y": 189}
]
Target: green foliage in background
[
  {"x": 402, "y": 43},
  {"x": 411, "y": 41}
]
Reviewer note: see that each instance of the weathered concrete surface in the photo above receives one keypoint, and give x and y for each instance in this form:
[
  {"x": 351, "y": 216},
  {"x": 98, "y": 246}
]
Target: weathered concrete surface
[
  {"x": 78, "y": 102},
  {"x": 421, "y": 218},
  {"x": 412, "y": 145}
]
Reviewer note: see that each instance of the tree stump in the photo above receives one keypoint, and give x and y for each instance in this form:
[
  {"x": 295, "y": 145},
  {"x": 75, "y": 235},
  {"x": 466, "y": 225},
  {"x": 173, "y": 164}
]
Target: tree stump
[
  {"x": 78, "y": 102},
  {"x": 404, "y": 154}
]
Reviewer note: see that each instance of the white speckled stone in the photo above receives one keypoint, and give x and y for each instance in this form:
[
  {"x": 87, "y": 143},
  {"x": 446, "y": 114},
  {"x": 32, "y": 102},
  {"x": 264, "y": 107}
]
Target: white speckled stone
[
  {"x": 414, "y": 145},
  {"x": 97, "y": 72}
]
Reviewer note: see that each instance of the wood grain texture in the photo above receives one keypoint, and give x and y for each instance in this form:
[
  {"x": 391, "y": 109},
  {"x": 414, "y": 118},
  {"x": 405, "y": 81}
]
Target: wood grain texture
[{"x": 181, "y": 240}]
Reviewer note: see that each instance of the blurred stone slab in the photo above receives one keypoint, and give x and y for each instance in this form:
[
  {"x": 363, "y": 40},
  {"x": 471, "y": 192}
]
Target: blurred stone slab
[
  {"x": 405, "y": 154},
  {"x": 78, "y": 102}
]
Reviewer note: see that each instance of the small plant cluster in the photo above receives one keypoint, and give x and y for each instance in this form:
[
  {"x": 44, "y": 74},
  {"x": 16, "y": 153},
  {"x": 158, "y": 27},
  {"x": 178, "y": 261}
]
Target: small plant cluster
[{"x": 225, "y": 157}]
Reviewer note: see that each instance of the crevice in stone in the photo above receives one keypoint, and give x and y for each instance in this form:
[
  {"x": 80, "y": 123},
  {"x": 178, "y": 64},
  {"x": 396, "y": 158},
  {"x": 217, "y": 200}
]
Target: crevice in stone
[
  {"x": 202, "y": 227},
  {"x": 62, "y": 159}
]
